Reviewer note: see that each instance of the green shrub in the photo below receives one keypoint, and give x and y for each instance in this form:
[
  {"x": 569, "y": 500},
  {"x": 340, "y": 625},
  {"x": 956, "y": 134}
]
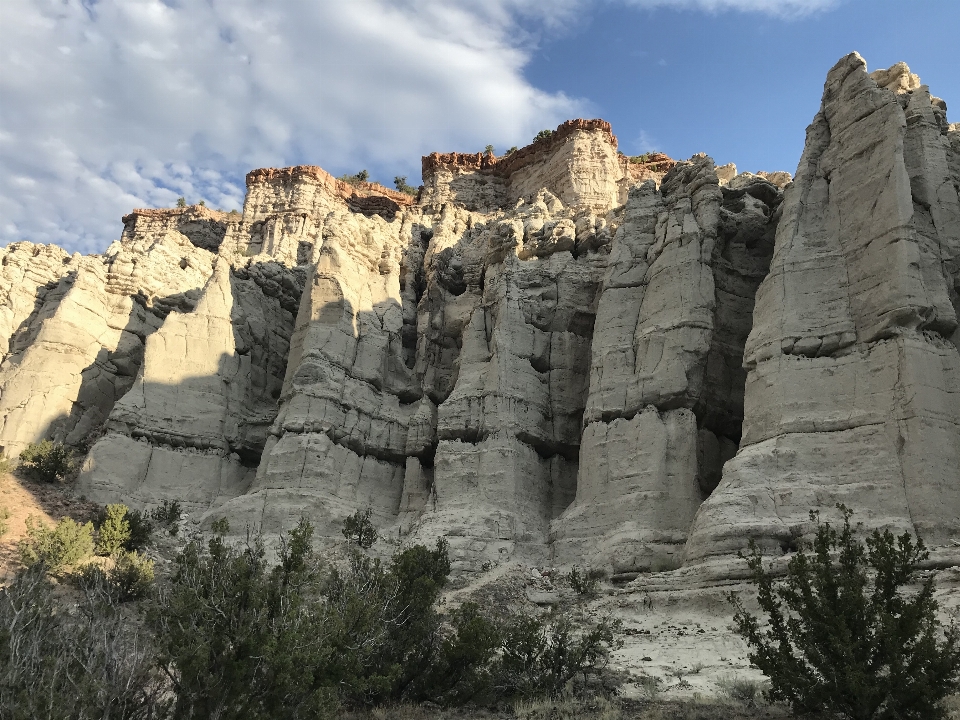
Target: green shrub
[
  {"x": 4, "y": 517},
  {"x": 141, "y": 528},
  {"x": 359, "y": 529},
  {"x": 132, "y": 576},
  {"x": 242, "y": 641},
  {"x": 47, "y": 461},
  {"x": 539, "y": 656},
  {"x": 220, "y": 526},
  {"x": 168, "y": 515},
  {"x": 92, "y": 662},
  {"x": 361, "y": 177},
  {"x": 585, "y": 584},
  {"x": 235, "y": 638},
  {"x": 181, "y": 202},
  {"x": 842, "y": 635},
  {"x": 463, "y": 669},
  {"x": 66, "y": 544},
  {"x": 488, "y": 150},
  {"x": 543, "y": 135},
  {"x": 113, "y": 532},
  {"x": 400, "y": 182}
]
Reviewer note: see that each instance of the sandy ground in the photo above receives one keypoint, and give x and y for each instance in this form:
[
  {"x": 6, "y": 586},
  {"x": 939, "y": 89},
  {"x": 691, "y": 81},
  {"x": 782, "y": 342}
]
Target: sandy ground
[
  {"x": 46, "y": 502},
  {"x": 678, "y": 644}
]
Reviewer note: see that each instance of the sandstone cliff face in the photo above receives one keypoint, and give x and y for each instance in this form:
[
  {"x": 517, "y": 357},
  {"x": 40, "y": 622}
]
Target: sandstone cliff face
[
  {"x": 578, "y": 164},
  {"x": 561, "y": 355},
  {"x": 853, "y": 382},
  {"x": 79, "y": 350},
  {"x": 665, "y": 403}
]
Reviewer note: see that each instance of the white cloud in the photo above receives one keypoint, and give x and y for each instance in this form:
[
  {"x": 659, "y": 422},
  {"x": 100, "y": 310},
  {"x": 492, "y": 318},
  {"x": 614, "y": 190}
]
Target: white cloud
[
  {"x": 644, "y": 142},
  {"x": 777, "y": 8},
  {"x": 106, "y": 105},
  {"x": 116, "y": 104}
]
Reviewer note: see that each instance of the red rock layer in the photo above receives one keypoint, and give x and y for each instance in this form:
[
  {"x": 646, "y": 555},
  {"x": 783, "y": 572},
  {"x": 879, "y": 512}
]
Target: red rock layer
[
  {"x": 347, "y": 191},
  {"x": 507, "y": 164}
]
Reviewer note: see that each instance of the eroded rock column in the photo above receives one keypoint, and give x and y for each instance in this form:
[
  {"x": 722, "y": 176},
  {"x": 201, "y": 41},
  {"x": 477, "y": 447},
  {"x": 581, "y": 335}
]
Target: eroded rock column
[
  {"x": 853, "y": 392},
  {"x": 665, "y": 400}
]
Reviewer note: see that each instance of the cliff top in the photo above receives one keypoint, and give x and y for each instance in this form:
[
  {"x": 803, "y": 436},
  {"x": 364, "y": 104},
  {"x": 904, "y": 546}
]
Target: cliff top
[
  {"x": 200, "y": 212},
  {"x": 504, "y": 165},
  {"x": 340, "y": 188}
]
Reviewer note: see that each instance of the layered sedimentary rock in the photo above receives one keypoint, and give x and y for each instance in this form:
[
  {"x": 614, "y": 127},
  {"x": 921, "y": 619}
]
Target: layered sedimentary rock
[
  {"x": 578, "y": 163},
  {"x": 79, "y": 350},
  {"x": 194, "y": 424},
  {"x": 853, "y": 390},
  {"x": 665, "y": 402},
  {"x": 562, "y": 354}
]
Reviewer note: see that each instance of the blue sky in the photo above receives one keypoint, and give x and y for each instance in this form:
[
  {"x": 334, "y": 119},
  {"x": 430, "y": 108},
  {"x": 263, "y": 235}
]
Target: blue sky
[
  {"x": 106, "y": 105},
  {"x": 739, "y": 86}
]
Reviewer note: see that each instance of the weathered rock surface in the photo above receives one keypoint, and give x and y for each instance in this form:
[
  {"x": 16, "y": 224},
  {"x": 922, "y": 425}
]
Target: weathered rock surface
[
  {"x": 665, "y": 402},
  {"x": 578, "y": 164},
  {"x": 853, "y": 390},
  {"x": 80, "y": 348},
  {"x": 562, "y": 354}
]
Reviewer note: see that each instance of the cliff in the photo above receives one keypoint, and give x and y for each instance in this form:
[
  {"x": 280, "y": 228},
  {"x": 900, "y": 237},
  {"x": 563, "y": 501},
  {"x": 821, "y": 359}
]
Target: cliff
[{"x": 559, "y": 355}]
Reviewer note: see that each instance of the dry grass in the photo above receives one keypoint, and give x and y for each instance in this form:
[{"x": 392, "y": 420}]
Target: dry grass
[
  {"x": 568, "y": 708},
  {"x": 698, "y": 708},
  {"x": 952, "y": 704}
]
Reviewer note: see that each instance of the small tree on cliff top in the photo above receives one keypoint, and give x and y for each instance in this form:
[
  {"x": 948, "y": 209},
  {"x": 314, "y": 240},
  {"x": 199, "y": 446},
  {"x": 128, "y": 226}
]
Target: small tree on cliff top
[{"x": 842, "y": 636}]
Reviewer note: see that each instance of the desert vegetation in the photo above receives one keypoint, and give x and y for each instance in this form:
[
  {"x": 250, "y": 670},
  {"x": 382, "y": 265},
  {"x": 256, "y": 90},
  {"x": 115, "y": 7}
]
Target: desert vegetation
[
  {"x": 844, "y": 634},
  {"x": 357, "y": 179},
  {"x": 400, "y": 182},
  {"x": 47, "y": 461},
  {"x": 229, "y": 634}
]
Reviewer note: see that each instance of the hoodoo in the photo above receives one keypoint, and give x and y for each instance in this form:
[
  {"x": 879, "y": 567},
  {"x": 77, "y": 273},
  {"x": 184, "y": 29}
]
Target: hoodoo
[{"x": 559, "y": 355}]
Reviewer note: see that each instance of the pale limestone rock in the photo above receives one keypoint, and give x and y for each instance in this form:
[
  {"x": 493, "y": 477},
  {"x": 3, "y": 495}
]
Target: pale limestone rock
[
  {"x": 578, "y": 164},
  {"x": 203, "y": 401},
  {"x": 349, "y": 397},
  {"x": 28, "y": 273},
  {"x": 637, "y": 493},
  {"x": 726, "y": 173},
  {"x": 853, "y": 392},
  {"x": 582, "y": 171},
  {"x": 84, "y": 344},
  {"x": 552, "y": 356},
  {"x": 897, "y": 78},
  {"x": 514, "y": 412},
  {"x": 779, "y": 178},
  {"x": 673, "y": 315}
]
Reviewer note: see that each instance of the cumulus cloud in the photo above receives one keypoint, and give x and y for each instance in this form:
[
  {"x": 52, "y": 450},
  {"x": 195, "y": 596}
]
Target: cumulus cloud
[
  {"x": 113, "y": 104},
  {"x": 121, "y": 103}
]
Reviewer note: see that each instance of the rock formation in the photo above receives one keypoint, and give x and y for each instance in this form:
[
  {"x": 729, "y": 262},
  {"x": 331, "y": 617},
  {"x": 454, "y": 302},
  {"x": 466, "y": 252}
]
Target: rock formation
[
  {"x": 853, "y": 385},
  {"x": 562, "y": 354}
]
